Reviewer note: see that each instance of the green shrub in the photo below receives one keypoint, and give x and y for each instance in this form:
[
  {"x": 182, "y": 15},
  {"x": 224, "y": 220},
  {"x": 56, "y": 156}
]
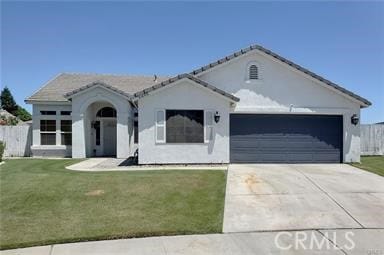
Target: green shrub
[{"x": 2, "y": 146}]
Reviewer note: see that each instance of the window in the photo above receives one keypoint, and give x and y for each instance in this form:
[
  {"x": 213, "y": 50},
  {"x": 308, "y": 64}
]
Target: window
[
  {"x": 97, "y": 128},
  {"x": 106, "y": 112},
  {"x": 209, "y": 126},
  {"x": 65, "y": 113},
  {"x": 66, "y": 132},
  {"x": 184, "y": 126},
  {"x": 48, "y": 112},
  {"x": 253, "y": 72},
  {"x": 47, "y": 132},
  {"x": 160, "y": 126}
]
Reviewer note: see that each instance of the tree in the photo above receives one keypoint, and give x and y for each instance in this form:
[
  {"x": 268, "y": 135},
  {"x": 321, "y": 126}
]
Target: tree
[
  {"x": 22, "y": 114},
  {"x": 8, "y": 103}
]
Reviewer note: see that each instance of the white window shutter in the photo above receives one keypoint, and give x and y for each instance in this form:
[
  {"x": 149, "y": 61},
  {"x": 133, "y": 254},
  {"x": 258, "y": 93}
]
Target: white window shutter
[
  {"x": 208, "y": 129},
  {"x": 160, "y": 126}
]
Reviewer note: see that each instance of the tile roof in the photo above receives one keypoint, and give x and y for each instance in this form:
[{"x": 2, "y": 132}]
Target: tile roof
[
  {"x": 64, "y": 84},
  {"x": 94, "y": 84},
  {"x": 145, "y": 91},
  {"x": 58, "y": 87},
  {"x": 284, "y": 60}
]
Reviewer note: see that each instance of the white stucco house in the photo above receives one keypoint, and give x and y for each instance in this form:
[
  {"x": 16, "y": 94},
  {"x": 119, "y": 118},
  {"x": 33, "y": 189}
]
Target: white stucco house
[{"x": 251, "y": 106}]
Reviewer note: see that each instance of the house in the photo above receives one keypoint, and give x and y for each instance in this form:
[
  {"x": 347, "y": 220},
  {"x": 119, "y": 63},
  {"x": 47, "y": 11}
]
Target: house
[{"x": 251, "y": 106}]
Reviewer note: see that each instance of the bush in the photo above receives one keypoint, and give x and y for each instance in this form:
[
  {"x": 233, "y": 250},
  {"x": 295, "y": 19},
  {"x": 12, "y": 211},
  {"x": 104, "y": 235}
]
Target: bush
[
  {"x": 2, "y": 147},
  {"x": 22, "y": 114}
]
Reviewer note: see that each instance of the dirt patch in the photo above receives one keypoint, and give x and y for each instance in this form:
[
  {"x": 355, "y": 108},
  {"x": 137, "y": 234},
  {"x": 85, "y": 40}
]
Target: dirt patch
[{"x": 97, "y": 192}]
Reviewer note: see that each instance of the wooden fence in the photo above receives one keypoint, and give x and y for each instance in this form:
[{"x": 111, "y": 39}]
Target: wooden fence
[
  {"x": 18, "y": 140},
  {"x": 372, "y": 139}
]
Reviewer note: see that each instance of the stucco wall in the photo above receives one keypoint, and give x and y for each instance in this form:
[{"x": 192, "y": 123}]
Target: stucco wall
[
  {"x": 57, "y": 150},
  {"x": 183, "y": 95},
  {"x": 282, "y": 89},
  {"x": 81, "y": 121}
]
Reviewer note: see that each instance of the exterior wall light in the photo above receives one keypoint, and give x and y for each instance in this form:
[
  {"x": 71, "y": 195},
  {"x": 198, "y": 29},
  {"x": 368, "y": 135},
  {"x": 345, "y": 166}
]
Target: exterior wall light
[
  {"x": 354, "y": 119},
  {"x": 95, "y": 124},
  {"x": 217, "y": 117}
]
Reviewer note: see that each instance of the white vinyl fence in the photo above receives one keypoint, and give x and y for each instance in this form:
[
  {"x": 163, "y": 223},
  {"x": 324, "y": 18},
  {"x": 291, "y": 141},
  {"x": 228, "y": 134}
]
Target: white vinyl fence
[
  {"x": 372, "y": 139},
  {"x": 18, "y": 140}
]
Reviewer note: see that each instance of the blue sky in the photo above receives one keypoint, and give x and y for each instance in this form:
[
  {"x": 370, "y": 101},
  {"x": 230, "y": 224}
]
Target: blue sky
[{"x": 342, "y": 41}]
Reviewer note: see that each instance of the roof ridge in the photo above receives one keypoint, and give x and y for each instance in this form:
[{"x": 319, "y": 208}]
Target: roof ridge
[
  {"x": 119, "y": 75},
  {"x": 185, "y": 76},
  {"x": 97, "y": 83}
]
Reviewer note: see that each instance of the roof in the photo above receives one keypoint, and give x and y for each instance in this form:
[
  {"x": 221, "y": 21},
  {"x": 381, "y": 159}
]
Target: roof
[
  {"x": 94, "y": 84},
  {"x": 165, "y": 83},
  {"x": 61, "y": 87},
  {"x": 64, "y": 83},
  {"x": 286, "y": 61}
]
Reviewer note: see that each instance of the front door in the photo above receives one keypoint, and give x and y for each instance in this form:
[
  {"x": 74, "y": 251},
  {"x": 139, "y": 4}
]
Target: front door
[{"x": 109, "y": 137}]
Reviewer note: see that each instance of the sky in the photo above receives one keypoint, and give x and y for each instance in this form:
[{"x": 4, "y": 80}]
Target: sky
[{"x": 341, "y": 41}]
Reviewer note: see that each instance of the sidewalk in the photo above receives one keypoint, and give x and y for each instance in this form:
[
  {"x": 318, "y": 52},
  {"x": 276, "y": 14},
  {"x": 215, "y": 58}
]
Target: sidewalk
[
  {"x": 114, "y": 164},
  {"x": 366, "y": 241}
]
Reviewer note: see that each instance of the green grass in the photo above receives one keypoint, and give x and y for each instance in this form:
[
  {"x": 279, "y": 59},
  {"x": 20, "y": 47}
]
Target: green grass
[
  {"x": 374, "y": 164},
  {"x": 43, "y": 203}
]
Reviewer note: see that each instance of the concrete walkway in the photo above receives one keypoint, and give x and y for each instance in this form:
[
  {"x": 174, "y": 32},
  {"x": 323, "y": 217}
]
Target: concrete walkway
[
  {"x": 361, "y": 241},
  {"x": 114, "y": 164},
  {"x": 295, "y": 197}
]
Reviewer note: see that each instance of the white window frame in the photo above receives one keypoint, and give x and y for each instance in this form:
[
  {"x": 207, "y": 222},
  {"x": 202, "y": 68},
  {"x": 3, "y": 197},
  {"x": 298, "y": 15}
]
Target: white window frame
[
  {"x": 207, "y": 126},
  {"x": 64, "y": 132},
  {"x": 158, "y": 125},
  {"x": 48, "y": 132}
]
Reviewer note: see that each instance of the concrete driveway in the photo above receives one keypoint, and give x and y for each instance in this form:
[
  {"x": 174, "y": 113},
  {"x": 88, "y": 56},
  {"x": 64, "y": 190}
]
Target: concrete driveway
[{"x": 265, "y": 197}]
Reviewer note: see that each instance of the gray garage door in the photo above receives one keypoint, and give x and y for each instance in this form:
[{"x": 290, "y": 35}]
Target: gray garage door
[{"x": 270, "y": 138}]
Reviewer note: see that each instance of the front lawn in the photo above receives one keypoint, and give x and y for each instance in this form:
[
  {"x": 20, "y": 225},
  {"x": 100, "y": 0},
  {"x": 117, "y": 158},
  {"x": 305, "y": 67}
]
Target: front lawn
[
  {"x": 374, "y": 164},
  {"x": 43, "y": 203}
]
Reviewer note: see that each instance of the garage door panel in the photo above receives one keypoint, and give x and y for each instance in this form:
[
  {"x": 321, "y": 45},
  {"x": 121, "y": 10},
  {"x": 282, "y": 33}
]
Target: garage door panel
[{"x": 285, "y": 138}]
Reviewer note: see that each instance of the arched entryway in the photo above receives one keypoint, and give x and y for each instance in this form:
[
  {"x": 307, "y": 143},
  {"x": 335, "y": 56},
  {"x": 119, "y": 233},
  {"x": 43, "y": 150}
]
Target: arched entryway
[
  {"x": 100, "y": 124},
  {"x": 104, "y": 138}
]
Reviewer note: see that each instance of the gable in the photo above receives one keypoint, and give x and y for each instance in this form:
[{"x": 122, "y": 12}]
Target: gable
[
  {"x": 172, "y": 82},
  {"x": 228, "y": 60},
  {"x": 94, "y": 86}
]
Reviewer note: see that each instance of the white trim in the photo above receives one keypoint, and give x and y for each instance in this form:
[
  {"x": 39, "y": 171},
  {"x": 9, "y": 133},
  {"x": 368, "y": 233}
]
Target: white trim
[{"x": 47, "y": 102}]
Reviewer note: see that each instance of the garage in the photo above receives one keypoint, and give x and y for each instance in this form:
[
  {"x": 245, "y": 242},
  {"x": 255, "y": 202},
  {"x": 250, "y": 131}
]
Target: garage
[{"x": 286, "y": 138}]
